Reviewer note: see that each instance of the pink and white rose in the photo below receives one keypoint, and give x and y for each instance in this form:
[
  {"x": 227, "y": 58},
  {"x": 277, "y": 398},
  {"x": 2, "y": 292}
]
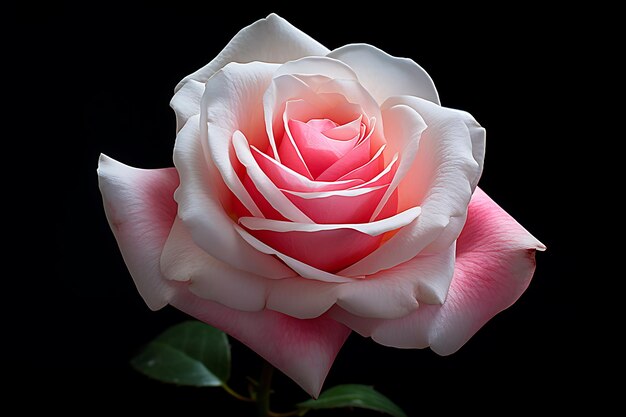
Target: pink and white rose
[{"x": 317, "y": 192}]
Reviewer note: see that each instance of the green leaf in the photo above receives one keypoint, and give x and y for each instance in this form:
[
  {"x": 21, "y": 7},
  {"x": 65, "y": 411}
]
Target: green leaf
[
  {"x": 190, "y": 353},
  {"x": 353, "y": 395}
]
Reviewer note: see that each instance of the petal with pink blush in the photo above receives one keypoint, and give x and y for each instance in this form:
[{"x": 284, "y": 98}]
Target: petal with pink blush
[
  {"x": 439, "y": 180},
  {"x": 326, "y": 247},
  {"x": 320, "y": 93},
  {"x": 384, "y": 75},
  {"x": 140, "y": 208},
  {"x": 202, "y": 201},
  {"x": 288, "y": 179},
  {"x": 356, "y": 158},
  {"x": 495, "y": 262},
  {"x": 272, "y": 39},
  {"x": 303, "y": 349}
]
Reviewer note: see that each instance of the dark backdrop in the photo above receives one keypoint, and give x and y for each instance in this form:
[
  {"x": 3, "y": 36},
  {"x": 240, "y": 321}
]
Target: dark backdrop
[{"x": 105, "y": 77}]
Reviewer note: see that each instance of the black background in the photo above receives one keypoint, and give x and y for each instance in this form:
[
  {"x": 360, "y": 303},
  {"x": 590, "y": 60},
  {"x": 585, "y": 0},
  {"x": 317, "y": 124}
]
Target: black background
[{"x": 104, "y": 77}]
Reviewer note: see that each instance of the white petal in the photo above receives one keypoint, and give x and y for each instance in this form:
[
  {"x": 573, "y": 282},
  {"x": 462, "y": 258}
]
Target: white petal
[
  {"x": 265, "y": 186},
  {"x": 440, "y": 181},
  {"x": 396, "y": 292},
  {"x": 272, "y": 39},
  {"x": 373, "y": 228},
  {"x": 384, "y": 75},
  {"x": 233, "y": 101},
  {"x": 209, "y": 277},
  {"x": 318, "y": 65},
  {"x": 204, "y": 215},
  {"x": 404, "y": 127},
  {"x": 186, "y": 102}
]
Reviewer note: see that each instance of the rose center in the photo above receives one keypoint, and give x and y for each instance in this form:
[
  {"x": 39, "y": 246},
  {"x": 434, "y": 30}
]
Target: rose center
[{"x": 319, "y": 143}]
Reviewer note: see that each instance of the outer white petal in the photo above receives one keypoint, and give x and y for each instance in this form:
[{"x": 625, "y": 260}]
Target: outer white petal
[
  {"x": 272, "y": 39},
  {"x": 208, "y": 277},
  {"x": 384, "y": 75}
]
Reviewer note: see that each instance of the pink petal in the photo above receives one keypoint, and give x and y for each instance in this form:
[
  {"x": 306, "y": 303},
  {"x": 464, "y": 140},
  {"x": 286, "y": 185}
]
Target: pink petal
[
  {"x": 317, "y": 149},
  {"x": 358, "y": 156},
  {"x": 321, "y": 94},
  {"x": 140, "y": 208},
  {"x": 495, "y": 262},
  {"x": 303, "y": 349},
  {"x": 367, "y": 171},
  {"x": 384, "y": 75},
  {"x": 288, "y": 179}
]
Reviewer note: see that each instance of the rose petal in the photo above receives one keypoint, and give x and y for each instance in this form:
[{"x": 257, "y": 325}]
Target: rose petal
[
  {"x": 303, "y": 269},
  {"x": 208, "y": 277},
  {"x": 303, "y": 349},
  {"x": 272, "y": 39},
  {"x": 403, "y": 132},
  {"x": 495, "y": 262},
  {"x": 357, "y": 158},
  {"x": 317, "y": 149},
  {"x": 327, "y": 247},
  {"x": 204, "y": 214},
  {"x": 384, "y": 75},
  {"x": 288, "y": 179},
  {"x": 140, "y": 208},
  {"x": 263, "y": 184},
  {"x": 367, "y": 171},
  {"x": 317, "y": 65},
  {"x": 341, "y": 206},
  {"x": 320, "y": 93},
  {"x": 439, "y": 180},
  {"x": 186, "y": 102},
  {"x": 390, "y": 294}
]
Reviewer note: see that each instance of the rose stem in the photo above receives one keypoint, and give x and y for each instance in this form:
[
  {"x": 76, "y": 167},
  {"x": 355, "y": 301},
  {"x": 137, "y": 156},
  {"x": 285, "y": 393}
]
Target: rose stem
[{"x": 263, "y": 392}]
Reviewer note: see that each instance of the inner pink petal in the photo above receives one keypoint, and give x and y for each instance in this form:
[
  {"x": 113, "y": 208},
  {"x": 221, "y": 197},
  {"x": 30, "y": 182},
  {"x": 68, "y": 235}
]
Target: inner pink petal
[
  {"x": 318, "y": 150},
  {"x": 328, "y": 250},
  {"x": 356, "y": 157},
  {"x": 368, "y": 171},
  {"x": 287, "y": 179}
]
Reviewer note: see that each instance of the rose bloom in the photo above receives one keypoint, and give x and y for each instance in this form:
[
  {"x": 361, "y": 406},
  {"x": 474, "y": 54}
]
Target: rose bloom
[{"x": 317, "y": 192}]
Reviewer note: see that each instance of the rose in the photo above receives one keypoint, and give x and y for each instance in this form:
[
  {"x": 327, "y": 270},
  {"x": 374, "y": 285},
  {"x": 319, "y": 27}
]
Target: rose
[{"x": 317, "y": 192}]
